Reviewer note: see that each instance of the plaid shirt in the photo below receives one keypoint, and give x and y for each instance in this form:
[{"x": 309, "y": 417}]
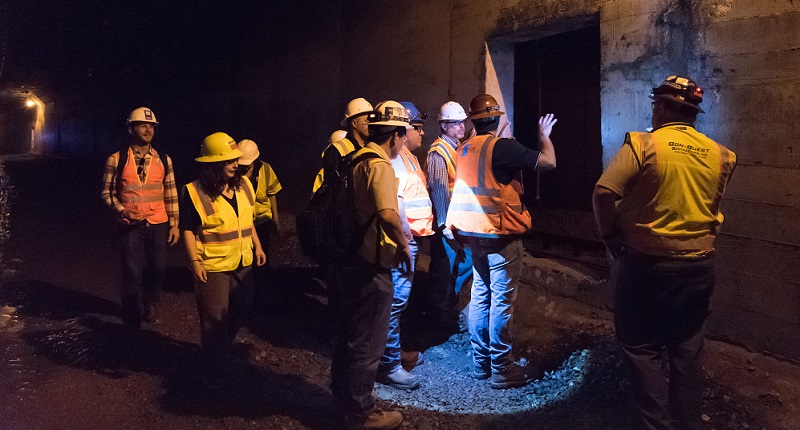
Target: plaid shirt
[{"x": 109, "y": 193}]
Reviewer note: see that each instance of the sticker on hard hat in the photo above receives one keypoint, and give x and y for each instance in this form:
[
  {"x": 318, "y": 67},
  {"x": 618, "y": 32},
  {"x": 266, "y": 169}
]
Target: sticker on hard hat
[
  {"x": 148, "y": 114},
  {"x": 391, "y": 113}
]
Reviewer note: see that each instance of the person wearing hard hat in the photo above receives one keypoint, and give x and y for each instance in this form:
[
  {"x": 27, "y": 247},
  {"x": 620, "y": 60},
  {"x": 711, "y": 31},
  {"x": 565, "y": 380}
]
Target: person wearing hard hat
[
  {"x": 657, "y": 207},
  {"x": 217, "y": 227},
  {"x": 139, "y": 188},
  {"x": 486, "y": 210},
  {"x": 416, "y": 219},
  {"x": 266, "y": 183},
  {"x": 335, "y": 137},
  {"x": 363, "y": 302},
  {"x": 355, "y": 123},
  {"x": 451, "y": 263}
]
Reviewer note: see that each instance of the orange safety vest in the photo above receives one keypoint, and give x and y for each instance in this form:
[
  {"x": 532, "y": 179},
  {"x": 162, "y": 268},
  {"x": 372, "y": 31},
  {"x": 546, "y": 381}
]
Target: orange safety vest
[
  {"x": 416, "y": 200},
  {"x": 481, "y": 206},
  {"x": 224, "y": 239},
  {"x": 673, "y": 209},
  {"x": 144, "y": 197},
  {"x": 447, "y": 152}
]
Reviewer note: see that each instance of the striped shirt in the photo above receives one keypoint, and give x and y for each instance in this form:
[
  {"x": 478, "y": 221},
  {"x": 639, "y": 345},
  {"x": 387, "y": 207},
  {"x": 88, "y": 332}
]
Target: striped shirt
[
  {"x": 438, "y": 184},
  {"x": 109, "y": 193}
]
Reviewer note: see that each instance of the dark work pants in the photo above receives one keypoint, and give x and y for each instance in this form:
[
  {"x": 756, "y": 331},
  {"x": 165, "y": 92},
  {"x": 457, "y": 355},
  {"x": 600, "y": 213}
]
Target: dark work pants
[
  {"x": 222, "y": 304},
  {"x": 144, "y": 259},
  {"x": 449, "y": 271},
  {"x": 362, "y": 300},
  {"x": 662, "y": 306},
  {"x": 264, "y": 288}
]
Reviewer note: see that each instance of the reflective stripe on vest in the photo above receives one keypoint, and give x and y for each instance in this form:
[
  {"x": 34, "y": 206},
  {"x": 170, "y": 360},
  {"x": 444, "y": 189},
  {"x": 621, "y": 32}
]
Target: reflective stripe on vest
[
  {"x": 481, "y": 206},
  {"x": 263, "y": 207},
  {"x": 416, "y": 200},
  {"x": 145, "y": 198},
  {"x": 447, "y": 152},
  {"x": 680, "y": 168},
  {"x": 224, "y": 240}
]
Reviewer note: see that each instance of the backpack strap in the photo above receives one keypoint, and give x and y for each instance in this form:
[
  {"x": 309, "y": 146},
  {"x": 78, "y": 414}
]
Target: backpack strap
[
  {"x": 121, "y": 162},
  {"x": 163, "y": 156}
]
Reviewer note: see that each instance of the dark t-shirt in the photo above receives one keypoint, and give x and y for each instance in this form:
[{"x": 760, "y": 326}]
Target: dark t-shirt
[
  {"x": 190, "y": 219},
  {"x": 509, "y": 157}
]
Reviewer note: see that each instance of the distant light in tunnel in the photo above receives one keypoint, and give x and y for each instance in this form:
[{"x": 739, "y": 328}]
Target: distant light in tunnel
[{"x": 30, "y": 103}]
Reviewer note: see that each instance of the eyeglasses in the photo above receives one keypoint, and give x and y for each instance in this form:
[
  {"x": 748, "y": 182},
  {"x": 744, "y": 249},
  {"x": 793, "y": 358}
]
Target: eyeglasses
[{"x": 417, "y": 127}]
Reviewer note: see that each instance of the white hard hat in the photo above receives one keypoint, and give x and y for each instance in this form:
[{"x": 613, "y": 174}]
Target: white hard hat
[
  {"x": 218, "y": 147},
  {"x": 337, "y": 136},
  {"x": 452, "y": 111},
  {"x": 355, "y": 107},
  {"x": 390, "y": 113},
  {"x": 249, "y": 152},
  {"x": 142, "y": 114}
]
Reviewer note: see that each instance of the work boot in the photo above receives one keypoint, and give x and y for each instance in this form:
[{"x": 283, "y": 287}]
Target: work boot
[
  {"x": 400, "y": 379},
  {"x": 150, "y": 314},
  {"x": 513, "y": 376},
  {"x": 411, "y": 358},
  {"x": 383, "y": 420},
  {"x": 480, "y": 372},
  {"x": 463, "y": 322}
]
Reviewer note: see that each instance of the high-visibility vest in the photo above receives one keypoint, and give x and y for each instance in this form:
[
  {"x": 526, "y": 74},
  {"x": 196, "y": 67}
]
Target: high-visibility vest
[
  {"x": 224, "y": 239},
  {"x": 416, "y": 200},
  {"x": 673, "y": 208},
  {"x": 263, "y": 207},
  {"x": 481, "y": 206},
  {"x": 146, "y": 197},
  {"x": 344, "y": 147},
  {"x": 447, "y": 152}
]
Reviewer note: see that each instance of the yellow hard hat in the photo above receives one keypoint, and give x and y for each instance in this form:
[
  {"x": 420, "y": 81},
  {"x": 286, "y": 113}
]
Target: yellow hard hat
[{"x": 218, "y": 147}]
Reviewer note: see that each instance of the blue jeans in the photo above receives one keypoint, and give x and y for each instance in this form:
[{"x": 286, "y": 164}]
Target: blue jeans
[
  {"x": 401, "y": 280},
  {"x": 497, "y": 264},
  {"x": 450, "y": 268},
  {"x": 144, "y": 260}
]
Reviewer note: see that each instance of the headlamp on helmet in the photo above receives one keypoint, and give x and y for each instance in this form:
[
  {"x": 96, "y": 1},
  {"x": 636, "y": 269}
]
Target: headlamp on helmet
[{"x": 681, "y": 90}]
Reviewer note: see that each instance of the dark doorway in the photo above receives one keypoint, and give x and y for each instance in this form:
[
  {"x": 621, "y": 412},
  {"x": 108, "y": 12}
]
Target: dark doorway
[{"x": 561, "y": 75}]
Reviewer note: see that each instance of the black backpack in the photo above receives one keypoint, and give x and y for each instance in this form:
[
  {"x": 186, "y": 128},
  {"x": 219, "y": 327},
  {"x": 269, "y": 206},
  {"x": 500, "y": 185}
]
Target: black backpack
[{"x": 328, "y": 229}]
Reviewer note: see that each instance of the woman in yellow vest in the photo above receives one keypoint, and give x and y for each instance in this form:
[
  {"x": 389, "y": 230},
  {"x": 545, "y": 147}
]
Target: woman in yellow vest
[{"x": 217, "y": 228}]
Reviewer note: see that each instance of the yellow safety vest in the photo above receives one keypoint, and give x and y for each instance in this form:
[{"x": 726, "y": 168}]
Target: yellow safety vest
[
  {"x": 447, "y": 152},
  {"x": 344, "y": 147},
  {"x": 416, "y": 200},
  {"x": 224, "y": 239},
  {"x": 263, "y": 207},
  {"x": 481, "y": 206},
  {"x": 672, "y": 209},
  {"x": 145, "y": 197}
]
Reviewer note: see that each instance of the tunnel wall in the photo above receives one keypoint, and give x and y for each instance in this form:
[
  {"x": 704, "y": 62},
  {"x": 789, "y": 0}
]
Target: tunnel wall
[{"x": 430, "y": 52}]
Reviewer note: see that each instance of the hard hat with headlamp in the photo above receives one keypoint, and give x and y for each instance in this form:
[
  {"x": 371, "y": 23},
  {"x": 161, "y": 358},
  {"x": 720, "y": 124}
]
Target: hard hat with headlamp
[
  {"x": 680, "y": 90},
  {"x": 218, "y": 147},
  {"x": 389, "y": 113},
  {"x": 484, "y": 106},
  {"x": 142, "y": 114},
  {"x": 452, "y": 111},
  {"x": 414, "y": 115},
  {"x": 355, "y": 108},
  {"x": 249, "y": 152}
]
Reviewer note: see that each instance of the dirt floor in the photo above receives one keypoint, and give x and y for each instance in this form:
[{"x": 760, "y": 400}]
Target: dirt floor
[{"x": 67, "y": 365}]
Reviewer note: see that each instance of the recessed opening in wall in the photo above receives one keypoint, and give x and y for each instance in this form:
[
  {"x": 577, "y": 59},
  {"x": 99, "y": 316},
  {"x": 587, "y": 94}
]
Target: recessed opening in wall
[{"x": 560, "y": 74}]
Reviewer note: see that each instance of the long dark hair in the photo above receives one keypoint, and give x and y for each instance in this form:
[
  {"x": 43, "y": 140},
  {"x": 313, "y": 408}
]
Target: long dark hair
[{"x": 212, "y": 179}]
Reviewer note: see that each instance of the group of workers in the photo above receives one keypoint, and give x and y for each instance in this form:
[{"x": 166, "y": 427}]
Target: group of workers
[{"x": 656, "y": 207}]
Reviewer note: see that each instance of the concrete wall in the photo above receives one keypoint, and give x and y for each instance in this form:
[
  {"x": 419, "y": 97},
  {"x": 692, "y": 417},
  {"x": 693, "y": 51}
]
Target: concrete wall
[{"x": 742, "y": 52}]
